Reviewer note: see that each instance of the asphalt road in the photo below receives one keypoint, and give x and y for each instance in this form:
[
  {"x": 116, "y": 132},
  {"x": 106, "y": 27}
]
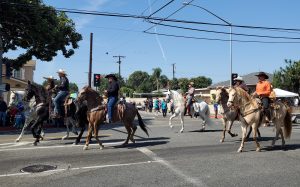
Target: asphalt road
[{"x": 166, "y": 158}]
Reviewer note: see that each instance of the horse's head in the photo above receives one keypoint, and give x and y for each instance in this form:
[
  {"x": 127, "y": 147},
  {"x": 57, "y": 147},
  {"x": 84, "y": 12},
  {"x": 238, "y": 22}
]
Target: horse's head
[
  {"x": 232, "y": 100},
  {"x": 30, "y": 91},
  {"x": 90, "y": 96},
  {"x": 168, "y": 95},
  {"x": 221, "y": 95}
]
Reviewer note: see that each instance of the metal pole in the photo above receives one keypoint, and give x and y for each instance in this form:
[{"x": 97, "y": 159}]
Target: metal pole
[
  {"x": 230, "y": 55},
  {"x": 1, "y": 54},
  {"x": 173, "y": 71},
  {"x": 119, "y": 67},
  {"x": 91, "y": 61}
]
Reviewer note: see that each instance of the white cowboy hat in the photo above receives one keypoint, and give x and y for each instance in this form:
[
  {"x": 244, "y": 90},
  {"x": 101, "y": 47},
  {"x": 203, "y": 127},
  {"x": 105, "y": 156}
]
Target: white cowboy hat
[
  {"x": 191, "y": 83},
  {"x": 62, "y": 71},
  {"x": 50, "y": 77},
  {"x": 239, "y": 78}
]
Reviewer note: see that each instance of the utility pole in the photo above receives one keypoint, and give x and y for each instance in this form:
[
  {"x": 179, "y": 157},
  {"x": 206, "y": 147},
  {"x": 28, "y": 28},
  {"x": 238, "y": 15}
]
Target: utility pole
[
  {"x": 173, "y": 70},
  {"x": 119, "y": 62},
  {"x": 1, "y": 53},
  {"x": 91, "y": 61}
]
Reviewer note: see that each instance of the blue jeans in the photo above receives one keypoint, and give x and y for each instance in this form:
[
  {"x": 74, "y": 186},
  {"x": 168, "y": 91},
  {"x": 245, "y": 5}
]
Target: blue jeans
[
  {"x": 110, "y": 106},
  {"x": 58, "y": 100},
  {"x": 3, "y": 118}
]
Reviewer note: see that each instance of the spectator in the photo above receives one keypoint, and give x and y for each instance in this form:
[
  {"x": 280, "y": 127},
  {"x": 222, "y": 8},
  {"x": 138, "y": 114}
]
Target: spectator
[
  {"x": 3, "y": 108},
  {"x": 156, "y": 105},
  {"x": 164, "y": 107},
  {"x": 150, "y": 105}
]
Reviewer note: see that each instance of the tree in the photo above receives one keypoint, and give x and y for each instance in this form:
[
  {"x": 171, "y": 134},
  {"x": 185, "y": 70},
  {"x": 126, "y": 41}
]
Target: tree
[
  {"x": 183, "y": 84},
  {"x": 36, "y": 28},
  {"x": 174, "y": 84},
  {"x": 288, "y": 77},
  {"x": 156, "y": 75},
  {"x": 164, "y": 81},
  {"x": 127, "y": 91},
  {"x": 137, "y": 78},
  {"x": 201, "y": 82}
]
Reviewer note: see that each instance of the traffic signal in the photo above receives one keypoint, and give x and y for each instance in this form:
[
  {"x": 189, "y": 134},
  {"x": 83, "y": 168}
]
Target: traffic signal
[
  {"x": 97, "y": 78},
  {"x": 233, "y": 76}
]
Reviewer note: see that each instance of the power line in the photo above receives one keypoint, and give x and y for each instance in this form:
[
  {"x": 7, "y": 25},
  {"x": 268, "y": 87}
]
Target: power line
[
  {"x": 112, "y": 14},
  {"x": 164, "y": 6},
  {"x": 216, "y": 39},
  {"x": 219, "y": 32}
]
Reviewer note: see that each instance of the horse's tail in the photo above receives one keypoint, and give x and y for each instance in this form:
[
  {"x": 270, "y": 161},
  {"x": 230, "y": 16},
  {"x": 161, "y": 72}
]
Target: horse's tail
[
  {"x": 141, "y": 123},
  {"x": 287, "y": 131}
]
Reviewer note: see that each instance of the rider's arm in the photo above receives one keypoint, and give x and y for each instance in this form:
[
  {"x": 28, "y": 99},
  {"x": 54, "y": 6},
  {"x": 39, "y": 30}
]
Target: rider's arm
[{"x": 113, "y": 88}]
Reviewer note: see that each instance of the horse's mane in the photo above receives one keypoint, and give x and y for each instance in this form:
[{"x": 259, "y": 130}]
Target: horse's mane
[{"x": 243, "y": 93}]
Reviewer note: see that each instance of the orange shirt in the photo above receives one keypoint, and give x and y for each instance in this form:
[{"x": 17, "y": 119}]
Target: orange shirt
[{"x": 263, "y": 88}]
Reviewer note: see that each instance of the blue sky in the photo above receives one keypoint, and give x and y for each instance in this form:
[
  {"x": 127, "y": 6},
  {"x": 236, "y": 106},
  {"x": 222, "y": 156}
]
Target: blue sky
[{"x": 192, "y": 57}]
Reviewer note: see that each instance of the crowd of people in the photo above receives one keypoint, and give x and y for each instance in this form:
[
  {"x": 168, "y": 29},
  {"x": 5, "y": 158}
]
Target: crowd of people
[{"x": 158, "y": 106}]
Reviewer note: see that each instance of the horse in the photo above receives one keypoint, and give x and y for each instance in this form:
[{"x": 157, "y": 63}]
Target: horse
[
  {"x": 251, "y": 114},
  {"x": 201, "y": 108},
  {"x": 179, "y": 107},
  {"x": 97, "y": 111},
  {"x": 40, "y": 110}
]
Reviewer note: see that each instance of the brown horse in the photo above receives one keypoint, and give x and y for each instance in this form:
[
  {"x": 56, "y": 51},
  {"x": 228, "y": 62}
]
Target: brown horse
[
  {"x": 97, "y": 111},
  {"x": 229, "y": 116},
  {"x": 251, "y": 114}
]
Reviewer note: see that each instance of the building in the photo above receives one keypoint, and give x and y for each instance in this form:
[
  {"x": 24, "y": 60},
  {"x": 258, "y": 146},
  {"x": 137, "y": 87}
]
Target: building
[{"x": 18, "y": 80}]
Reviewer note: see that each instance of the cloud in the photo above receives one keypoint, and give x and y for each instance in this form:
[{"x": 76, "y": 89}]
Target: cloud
[{"x": 83, "y": 20}]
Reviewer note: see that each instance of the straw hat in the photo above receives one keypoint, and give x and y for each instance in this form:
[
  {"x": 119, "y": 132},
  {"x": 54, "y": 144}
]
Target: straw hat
[
  {"x": 62, "y": 71},
  {"x": 49, "y": 78},
  {"x": 239, "y": 78},
  {"x": 191, "y": 83}
]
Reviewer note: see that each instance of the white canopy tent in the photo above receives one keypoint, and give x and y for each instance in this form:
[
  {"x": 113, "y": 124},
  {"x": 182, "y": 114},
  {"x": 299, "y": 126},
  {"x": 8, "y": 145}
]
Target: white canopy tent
[{"x": 284, "y": 93}]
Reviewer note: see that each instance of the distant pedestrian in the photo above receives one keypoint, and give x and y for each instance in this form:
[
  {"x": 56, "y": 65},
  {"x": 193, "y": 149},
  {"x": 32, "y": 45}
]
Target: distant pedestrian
[
  {"x": 164, "y": 107},
  {"x": 150, "y": 105},
  {"x": 156, "y": 105},
  {"x": 3, "y": 108}
]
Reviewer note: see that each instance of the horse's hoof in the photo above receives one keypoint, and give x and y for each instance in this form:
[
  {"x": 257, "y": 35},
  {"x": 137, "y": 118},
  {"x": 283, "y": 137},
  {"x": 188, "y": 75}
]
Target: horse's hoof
[
  {"x": 258, "y": 149},
  {"x": 17, "y": 140},
  {"x": 240, "y": 150},
  {"x": 65, "y": 137},
  {"x": 222, "y": 140},
  {"x": 234, "y": 135},
  {"x": 101, "y": 147},
  {"x": 34, "y": 143},
  {"x": 85, "y": 147},
  {"x": 202, "y": 130},
  {"x": 181, "y": 131}
]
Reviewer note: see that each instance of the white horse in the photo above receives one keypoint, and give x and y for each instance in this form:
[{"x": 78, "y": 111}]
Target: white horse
[
  {"x": 202, "y": 109},
  {"x": 179, "y": 107}
]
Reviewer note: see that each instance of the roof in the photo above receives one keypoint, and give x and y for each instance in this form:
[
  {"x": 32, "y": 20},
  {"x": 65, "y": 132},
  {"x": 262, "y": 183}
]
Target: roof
[
  {"x": 249, "y": 79},
  {"x": 284, "y": 93}
]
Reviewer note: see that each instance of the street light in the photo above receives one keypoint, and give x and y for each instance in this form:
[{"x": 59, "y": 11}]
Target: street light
[{"x": 229, "y": 24}]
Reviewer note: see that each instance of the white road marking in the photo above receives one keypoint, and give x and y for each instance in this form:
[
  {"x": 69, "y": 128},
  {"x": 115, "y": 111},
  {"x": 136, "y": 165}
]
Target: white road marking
[
  {"x": 58, "y": 146},
  {"x": 153, "y": 156},
  {"x": 9, "y": 145},
  {"x": 79, "y": 168}
]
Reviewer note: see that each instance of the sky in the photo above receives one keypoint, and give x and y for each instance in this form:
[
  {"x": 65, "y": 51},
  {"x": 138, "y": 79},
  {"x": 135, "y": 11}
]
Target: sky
[{"x": 124, "y": 36}]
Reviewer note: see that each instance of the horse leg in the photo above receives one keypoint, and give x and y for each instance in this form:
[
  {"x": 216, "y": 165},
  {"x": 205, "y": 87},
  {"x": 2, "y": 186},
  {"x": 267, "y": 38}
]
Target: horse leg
[
  {"x": 254, "y": 137},
  {"x": 96, "y": 134},
  {"x": 250, "y": 130},
  {"x": 182, "y": 123},
  {"x": 229, "y": 130},
  {"x": 35, "y": 125},
  {"x": 282, "y": 137},
  {"x": 79, "y": 136},
  {"x": 132, "y": 133},
  {"x": 127, "y": 126},
  {"x": 224, "y": 130},
  {"x": 258, "y": 133},
  {"x": 68, "y": 130},
  {"x": 23, "y": 130},
  {"x": 276, "y": 135},
  {"x": 88, "y": 137},
  {"x": 170, "y": 120},
  {"x": 42, "y": 135},
  {"x": 203, "y": 123},
  {"x": 73, "y": 122},
  {"x": 244, "y": 130}
]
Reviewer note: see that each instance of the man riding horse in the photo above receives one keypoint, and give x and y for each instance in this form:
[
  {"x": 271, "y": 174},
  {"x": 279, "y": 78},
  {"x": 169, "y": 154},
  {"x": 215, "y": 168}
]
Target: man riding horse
[
  {"x": 263, "y": 91},
  {"x": 63, "y": 92},
  {"x": 190, "y": 97},
  {"x": 112, "y": 94},
  {"x": 239, "y": 82}
]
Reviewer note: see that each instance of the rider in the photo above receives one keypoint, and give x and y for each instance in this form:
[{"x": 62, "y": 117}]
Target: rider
[
  {"x": 50, "y": 84},
  {"x": 112, "y": 94},
  {"x": 190, "y": 96},
  {"x": 63, "y": 92},
  {"x": 263, "y": 91},
  {"x": 239, "y": 82}
]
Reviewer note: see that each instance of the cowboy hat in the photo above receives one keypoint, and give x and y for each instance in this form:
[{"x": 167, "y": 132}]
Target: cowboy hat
[
  {"x": 50, "y": 77},
  {"x": 262, "y": 74},
  {"x": 191, "y": 83},
  {"x": 62, "y": 71},
  {"x": 239, "y": 78},
  {"x": 111, "y": 76}
]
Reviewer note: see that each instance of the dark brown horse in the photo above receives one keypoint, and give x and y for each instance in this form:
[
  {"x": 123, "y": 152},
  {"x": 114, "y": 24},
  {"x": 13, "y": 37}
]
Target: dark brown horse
[{"x": 124, "y": 113}]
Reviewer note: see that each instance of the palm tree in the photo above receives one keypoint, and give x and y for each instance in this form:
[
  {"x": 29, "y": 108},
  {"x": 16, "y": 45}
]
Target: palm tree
[{"x": 156, "y": 74}]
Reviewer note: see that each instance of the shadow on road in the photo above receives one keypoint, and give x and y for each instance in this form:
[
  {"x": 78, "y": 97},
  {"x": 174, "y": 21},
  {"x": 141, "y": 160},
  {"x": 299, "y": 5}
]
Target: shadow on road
[
  {"x": 278, "y": 147},
  {"x": 211, "y": 130}
]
